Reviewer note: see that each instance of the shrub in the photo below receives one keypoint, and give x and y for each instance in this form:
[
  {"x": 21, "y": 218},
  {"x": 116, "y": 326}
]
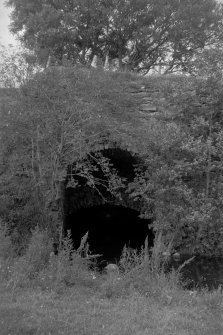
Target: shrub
[
  {"x": 36, "y": 258},
  {"x": 41, "y": 267},
  {"x": 72, "y": 266},
  {"x": 38, "y": 252}
]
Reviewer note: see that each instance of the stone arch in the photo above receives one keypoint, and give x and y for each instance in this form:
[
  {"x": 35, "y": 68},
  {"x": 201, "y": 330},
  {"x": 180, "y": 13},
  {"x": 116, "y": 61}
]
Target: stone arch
[{"x": 112, "y": 223}]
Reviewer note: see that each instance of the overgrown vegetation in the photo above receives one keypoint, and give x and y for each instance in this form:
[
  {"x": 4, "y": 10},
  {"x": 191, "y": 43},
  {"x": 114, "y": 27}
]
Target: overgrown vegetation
[
  {"x": 140, "y": 35},
  {"x": 43, "y": 293},
  {"x": 58, "y": 124},
  {"x": 40, "y": 141},
  {"x": 182, "y": 179},
  {"x": 55, "y": 126}
]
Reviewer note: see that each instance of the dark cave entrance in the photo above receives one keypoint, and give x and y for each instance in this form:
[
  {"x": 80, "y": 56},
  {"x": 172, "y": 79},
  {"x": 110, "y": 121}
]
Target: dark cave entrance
[
  {"x": 110, "y": 228},
  {"x": 113, "y": 223}
]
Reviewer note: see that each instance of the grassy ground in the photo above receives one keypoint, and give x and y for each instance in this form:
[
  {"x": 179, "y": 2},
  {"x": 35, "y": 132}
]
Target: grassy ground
[
  {"x": 95, "y": 309},
  {"x": 62, "y": 296}
]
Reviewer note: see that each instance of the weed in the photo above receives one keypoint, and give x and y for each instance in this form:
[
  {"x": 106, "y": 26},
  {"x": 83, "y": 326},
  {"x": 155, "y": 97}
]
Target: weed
[{"x": 143, "y": 271}]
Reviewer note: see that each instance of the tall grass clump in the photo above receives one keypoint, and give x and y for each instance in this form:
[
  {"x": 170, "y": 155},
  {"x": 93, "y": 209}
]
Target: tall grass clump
[
  {"x": 27, "y": 267},
  {"x": 39, "y": 266},
  {"x": 144, "y": 271},
  {"x": 71, "y": 267}
]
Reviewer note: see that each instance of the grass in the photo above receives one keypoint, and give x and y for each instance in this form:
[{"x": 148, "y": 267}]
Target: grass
[
  {"x": 61, "y": 296},
  {"x": 87, "y": 310}
]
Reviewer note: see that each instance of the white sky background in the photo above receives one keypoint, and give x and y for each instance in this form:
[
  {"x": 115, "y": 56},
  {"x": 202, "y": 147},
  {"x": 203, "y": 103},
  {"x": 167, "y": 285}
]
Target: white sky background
[{"x": 5, "y": 36}]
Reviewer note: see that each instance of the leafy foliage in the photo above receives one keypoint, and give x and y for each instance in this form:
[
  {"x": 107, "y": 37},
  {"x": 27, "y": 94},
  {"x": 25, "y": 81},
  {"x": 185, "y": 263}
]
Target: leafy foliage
[
  {"x": 182, "y": 181},
  {"x": 60, "y": 122},
  {"x": 47, "y": 129},
  {"x": 142, "y": 34},
  {"x": 208, "y": 63},
  {"x": 17, "y": 66}
]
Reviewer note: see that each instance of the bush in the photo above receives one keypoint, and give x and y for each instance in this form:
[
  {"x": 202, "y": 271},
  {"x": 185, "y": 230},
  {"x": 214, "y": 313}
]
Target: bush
[
  {"x": 36, "y": 258},
  {"x": 39, "y": 266},
  {"x": 71, "y": 267},
  {"x": 38, "y": 252}
]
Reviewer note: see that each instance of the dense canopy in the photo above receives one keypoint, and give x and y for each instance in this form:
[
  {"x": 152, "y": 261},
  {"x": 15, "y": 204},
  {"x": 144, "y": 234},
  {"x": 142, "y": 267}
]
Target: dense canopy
[{"x": 140, "y": 34}]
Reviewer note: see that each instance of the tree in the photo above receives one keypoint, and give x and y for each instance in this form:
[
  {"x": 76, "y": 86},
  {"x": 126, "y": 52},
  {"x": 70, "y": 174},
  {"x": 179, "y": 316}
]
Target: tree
[
  {"x": 152, "y": 33},
  {"x": 47, "y": 138},
  {"x": 62, "y": 29},
  {"x": 142, "y": 34},
  {"x": 17, "y": 66},
  {"x": 208, "y": 63}
]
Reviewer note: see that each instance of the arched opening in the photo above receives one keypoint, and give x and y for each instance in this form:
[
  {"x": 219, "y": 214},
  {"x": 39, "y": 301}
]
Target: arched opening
[
  {"x": 110, "y": 228},
  {"x": 111, "y": 223}
]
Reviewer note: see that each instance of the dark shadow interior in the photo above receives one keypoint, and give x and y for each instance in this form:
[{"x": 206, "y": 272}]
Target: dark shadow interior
[
  {"x": 110, "y": 228},
  {"x": 122, "y": 161},
  {"x": 86, "y": 196},
  {"x": 111, "y": 225}
]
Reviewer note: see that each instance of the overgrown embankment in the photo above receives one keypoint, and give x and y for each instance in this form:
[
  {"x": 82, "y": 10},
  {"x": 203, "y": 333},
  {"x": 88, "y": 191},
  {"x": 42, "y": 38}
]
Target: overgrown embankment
[
  {"x": 41, "y": 293},
  {"x": 65, "y": 114}
]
